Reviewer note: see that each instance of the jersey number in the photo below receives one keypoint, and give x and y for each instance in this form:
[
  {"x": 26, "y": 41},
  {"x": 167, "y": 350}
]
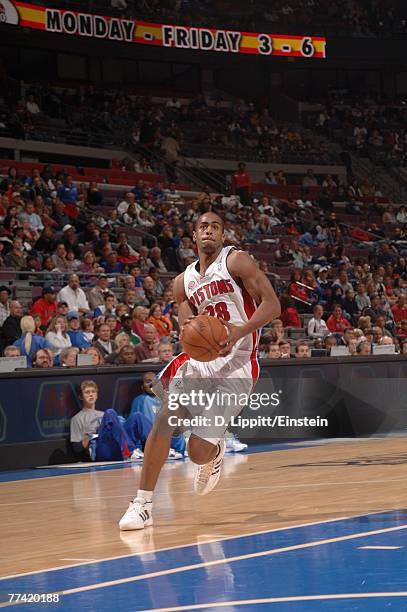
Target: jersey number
[{"x": 220, "y": 310}]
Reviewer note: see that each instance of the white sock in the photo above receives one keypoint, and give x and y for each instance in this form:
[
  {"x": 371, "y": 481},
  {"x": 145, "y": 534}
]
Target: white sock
[{"x": 146, "y": 495}]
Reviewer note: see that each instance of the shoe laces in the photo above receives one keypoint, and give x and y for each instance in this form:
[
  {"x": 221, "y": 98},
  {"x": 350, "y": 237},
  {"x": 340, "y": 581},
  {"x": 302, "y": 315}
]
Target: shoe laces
[
  {"x": 205, "y": 471},
  {"x": 136, "y": 506}
]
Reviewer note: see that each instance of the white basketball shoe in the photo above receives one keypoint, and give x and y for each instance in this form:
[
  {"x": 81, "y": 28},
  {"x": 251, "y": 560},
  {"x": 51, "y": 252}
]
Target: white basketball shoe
[
  {"x": 207, "y": 475},
  {"x": 137, "y": 516}
]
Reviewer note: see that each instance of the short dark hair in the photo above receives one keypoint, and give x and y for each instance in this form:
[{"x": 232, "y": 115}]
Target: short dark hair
[{"x": 209, "y": 212}]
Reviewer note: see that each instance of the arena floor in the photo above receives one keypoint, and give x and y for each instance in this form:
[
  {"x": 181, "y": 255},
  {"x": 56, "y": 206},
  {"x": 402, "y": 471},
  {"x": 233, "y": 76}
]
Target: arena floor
[{"x": 305, "y": 527}]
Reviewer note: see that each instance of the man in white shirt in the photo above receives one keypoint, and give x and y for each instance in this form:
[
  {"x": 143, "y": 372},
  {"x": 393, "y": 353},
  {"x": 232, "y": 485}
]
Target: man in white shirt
[
  {"x": 74, "y": 296},
  {"x": 129, "y": 199}
]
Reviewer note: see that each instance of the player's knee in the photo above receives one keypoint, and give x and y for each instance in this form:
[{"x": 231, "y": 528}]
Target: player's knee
[
  {"x": 162, "y": 424},
  {"x": 200, "y": 451}
]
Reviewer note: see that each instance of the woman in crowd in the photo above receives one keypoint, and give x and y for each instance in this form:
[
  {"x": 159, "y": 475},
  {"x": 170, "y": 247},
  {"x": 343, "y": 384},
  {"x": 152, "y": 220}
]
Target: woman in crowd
[
  {"x": 161, "y": 323},
  {"x": 57, "y": 336},
  {"x": 97, "y": 357},
  {"x": 89, "y": 263},
  {"x": 30, "y": 342}
]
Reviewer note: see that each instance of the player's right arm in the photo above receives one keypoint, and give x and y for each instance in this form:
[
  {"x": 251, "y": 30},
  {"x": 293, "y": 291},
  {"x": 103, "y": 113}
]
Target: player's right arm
[{"x": 185, "y": 310}]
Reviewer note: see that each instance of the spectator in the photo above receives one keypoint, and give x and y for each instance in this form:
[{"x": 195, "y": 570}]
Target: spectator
[
  {"x": 125, "y": 356},
  {"x": 156, "y": 261},
  {"x": 75, "y": 333},
  {"x": 148, "y": 404},
  {"x": 104, "y": 342},
  {"x": 302, "y": 350},
  {"x": 11, "y": 351},
  {"x": 111, "y": 265},
  {"x": 59, "y": 258},
  {"x": 289, "y": 314},
  {"x": 274, "y": 351},
  {"x": 89, "y": 264},
  {"x": 140, "y": 314},
  {"x": 100, "y": 435},
  {"x": 337, "y": 323},
  {"x": 352, "y": 346},
  {"x": 87, "y": 328},
  {"x": 362, "y": 299},
  {"x": 277, "y": 330},
  {"x": 283, "y": 255},
  {"x": 285, "y": 349},
  {"x": 171, "y": 149},
  {"x": 158, "y": 286},
  {"x": 343, "y": 282},
  {"x": 165, "y": 352},
  {"x": 11, "y": 329},
  {"x": 96, "y": 354},
  {"x": 161, "y": 323},
  {"x": 42, "y": 359},
  {"x": 147, "y": 349},
  {"x": 29, "y": 342},
  {"x": 97, "y": 294},
  {"x": 57, "y": 336},
  {"x": 109, "y": 307},
  {"x": 62, "y": 309},
  {"x": 5, "y": 293},
  {"x": 127, "y": 324},
  {"x": 68, "y": 193},
  {"x": 364, "y": 348},
  {"x": 16, "y": 257},
  {"x": 399, "y": 310},
  {"x": 350, "y": 306},
  {"x": 32, "y": 106},
  {"x": 317, "y": 327},
  {"x": 309, "y": 179},
  {"x": 74, "y": 296},
  {"x": 68, "y": 357},
  {"x": 330, "y": 341},
  {"x": 242, "y": 184},
  {"x": 45, "y": 307},
  {"x": 130, "y": 299},
  {"x": 94, "y": 196},
  {"x": 263, "y": 348},
  {"x": 381, "y": 322}
]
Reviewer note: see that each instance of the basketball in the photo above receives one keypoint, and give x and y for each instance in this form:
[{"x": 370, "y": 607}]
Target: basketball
[{"x": 202, "y": 338}]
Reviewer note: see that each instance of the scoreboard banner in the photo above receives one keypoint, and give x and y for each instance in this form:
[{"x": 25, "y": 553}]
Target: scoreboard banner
[{"x": 76, "y": 23}]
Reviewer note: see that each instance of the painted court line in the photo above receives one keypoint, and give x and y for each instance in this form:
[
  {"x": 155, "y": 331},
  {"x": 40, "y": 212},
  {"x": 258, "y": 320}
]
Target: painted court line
[
  {"x": 265, "y": 600},
  {"x": 380, "y": 547},
  {"x": 226, "y": 560},
  {"x": 222, "y": 539}
]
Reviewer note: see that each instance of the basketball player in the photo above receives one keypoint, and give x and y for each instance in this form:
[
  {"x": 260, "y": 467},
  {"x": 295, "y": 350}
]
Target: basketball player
[{"x": 228, "y": 284}]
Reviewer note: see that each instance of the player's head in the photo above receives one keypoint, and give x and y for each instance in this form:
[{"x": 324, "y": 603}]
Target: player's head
[{"x": 209, "y": 233}]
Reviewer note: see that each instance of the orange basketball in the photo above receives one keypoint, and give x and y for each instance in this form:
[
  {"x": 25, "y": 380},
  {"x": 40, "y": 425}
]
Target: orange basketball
[{"x": 202, "y": 337}]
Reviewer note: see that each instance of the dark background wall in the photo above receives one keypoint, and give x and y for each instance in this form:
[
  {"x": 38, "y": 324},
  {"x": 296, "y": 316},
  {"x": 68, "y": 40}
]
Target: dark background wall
[{"x": 360, "y": 398}]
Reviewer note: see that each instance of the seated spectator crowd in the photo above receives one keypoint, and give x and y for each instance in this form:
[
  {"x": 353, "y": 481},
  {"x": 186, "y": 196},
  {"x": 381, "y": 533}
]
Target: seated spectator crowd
[{"x": 98, "y": 288}]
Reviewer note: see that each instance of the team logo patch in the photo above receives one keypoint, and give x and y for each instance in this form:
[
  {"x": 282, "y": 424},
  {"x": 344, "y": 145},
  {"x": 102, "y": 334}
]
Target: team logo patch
[{"x": 191, "y": 284}]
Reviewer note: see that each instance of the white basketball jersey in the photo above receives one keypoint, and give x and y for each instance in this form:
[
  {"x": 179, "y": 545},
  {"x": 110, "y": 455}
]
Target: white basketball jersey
[{"x": 217, "y": 293}]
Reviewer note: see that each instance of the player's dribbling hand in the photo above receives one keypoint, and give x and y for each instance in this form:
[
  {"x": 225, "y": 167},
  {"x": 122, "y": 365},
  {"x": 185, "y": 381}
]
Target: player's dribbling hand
[{"x": 235, "y": 333}]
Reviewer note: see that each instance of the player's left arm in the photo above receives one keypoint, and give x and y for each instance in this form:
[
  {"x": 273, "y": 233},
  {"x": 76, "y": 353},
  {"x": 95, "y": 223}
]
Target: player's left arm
[{"x": 243, "y": 267}]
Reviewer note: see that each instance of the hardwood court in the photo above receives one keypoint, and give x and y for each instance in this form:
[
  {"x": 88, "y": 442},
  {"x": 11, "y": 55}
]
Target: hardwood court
[{"x": 72, "y": 519}]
